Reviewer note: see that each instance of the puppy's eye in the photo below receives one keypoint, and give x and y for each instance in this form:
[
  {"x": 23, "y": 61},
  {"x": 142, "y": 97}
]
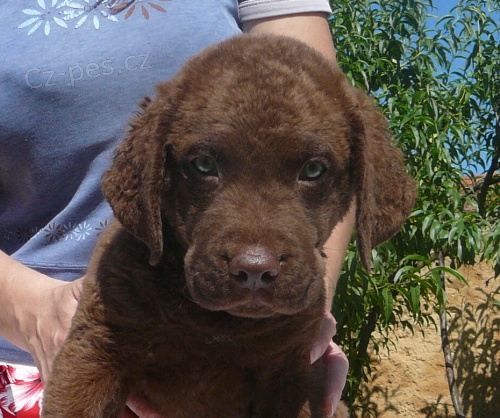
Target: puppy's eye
[
  {"x": 205, "y": 165},
  {"x": 312, "y": 170}
]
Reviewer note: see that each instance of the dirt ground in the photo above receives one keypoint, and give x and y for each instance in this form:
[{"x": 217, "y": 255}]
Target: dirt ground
[{"x": 410, "y": 380}]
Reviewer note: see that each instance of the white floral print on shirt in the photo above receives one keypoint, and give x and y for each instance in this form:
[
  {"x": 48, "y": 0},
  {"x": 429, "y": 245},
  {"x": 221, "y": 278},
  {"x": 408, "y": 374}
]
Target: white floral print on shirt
[
  {"x": 47, "y": 14},
  {"x": 54, "y": 232}
]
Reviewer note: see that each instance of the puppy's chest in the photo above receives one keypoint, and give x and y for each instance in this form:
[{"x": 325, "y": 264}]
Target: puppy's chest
[
  {"x": 192, "y": 338},
  {"x": 215, "y": 372},
  {"x": 198, "y": 352},
  {"x": 209, "y": 393}
]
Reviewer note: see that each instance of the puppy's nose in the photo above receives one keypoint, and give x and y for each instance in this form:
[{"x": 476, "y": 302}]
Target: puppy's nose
[{"x": 255, "y": 268}]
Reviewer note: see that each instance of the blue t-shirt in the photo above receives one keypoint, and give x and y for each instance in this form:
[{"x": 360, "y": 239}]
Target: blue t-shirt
[{"x": 71, "y": 75}]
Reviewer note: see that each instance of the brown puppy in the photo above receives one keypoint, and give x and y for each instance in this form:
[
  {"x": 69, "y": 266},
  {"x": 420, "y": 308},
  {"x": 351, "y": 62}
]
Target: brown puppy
[{"x": 207, "y": 292}]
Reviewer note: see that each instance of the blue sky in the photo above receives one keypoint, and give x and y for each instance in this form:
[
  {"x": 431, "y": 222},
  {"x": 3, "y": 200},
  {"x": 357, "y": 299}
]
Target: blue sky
[{"x": 444, "y": 6}]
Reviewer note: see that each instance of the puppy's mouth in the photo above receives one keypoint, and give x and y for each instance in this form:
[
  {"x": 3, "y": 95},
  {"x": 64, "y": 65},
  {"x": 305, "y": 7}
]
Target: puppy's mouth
[
  {"x": 252, "y": 309},
  {"x": 257, "y": 308},
  {"x": 253, "y": 304}
]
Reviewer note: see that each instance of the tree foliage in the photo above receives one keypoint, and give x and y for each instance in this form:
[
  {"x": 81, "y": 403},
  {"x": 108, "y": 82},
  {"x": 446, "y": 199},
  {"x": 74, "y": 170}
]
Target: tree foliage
[{"x": 437, "y": 81}]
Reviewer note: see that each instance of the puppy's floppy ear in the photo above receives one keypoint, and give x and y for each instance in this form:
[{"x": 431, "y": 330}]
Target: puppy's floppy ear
[
  {"x": 134, "y": 183},
  {"x": 385, "y": 192}
]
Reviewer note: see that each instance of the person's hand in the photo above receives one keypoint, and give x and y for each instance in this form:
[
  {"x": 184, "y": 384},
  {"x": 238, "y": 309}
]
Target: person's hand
[
  {"x": 44, "y": 318},
  {"x": 138, "y": 407},
  {"x": 46, "y": 322},
  {"x": 336, "y": 362}
]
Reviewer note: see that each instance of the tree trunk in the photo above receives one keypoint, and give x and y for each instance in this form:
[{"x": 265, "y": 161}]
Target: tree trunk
[{"x": 448, "y": 356}]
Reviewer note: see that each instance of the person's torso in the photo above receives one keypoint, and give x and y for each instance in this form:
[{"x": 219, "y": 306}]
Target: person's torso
[{"x": 71, "y": 75}]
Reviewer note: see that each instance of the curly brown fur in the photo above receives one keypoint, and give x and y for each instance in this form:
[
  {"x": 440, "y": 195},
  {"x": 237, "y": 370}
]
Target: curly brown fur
[{"x": 207, "y": 292}]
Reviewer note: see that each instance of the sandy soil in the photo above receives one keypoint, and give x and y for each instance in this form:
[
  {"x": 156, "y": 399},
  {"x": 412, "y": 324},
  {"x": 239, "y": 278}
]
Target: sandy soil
[{"x": 410, "y": 381}]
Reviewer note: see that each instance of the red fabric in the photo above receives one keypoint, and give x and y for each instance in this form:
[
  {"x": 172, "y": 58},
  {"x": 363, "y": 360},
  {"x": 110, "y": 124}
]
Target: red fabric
[{"x": 20, "y": 392}]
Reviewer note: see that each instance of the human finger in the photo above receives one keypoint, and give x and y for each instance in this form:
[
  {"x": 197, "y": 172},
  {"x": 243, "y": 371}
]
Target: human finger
[
  {"x": 139, "y": 406},
  {"x": 328, "y": 330},
  {"x": 337, "y": 366}
]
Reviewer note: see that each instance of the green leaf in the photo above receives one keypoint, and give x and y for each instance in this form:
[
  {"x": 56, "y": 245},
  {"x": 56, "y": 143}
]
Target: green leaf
[
  {"x": 402, "y": 271},
  {"x": 451, "y": 272},
  {"x": 415, "y": 298},
  {"x": 388, "y": 303}
]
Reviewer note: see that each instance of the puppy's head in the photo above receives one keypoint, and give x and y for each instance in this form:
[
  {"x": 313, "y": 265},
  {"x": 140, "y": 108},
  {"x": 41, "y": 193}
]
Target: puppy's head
[{"x": 252, "y": 154}]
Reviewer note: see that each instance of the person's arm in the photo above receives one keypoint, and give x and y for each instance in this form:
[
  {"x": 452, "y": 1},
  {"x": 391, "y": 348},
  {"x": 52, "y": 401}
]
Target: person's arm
[
  {"x": 35, "y": 310},
  {"x": 313, "y": 29}
]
